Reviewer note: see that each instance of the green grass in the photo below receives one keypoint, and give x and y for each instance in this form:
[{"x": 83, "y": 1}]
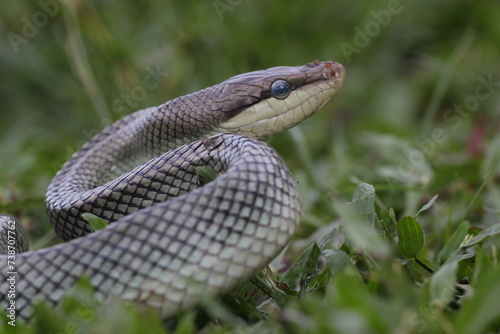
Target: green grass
[{"x": 398, "y": 134}]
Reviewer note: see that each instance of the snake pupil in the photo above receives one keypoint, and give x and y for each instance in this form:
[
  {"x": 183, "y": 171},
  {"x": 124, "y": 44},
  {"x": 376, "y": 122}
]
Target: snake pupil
[{"x": 280, "y": 89}]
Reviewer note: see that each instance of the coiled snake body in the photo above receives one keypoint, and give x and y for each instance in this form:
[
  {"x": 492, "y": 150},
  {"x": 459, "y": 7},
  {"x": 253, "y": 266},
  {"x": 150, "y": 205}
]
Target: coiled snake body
[{"x": 171, "y": 242}]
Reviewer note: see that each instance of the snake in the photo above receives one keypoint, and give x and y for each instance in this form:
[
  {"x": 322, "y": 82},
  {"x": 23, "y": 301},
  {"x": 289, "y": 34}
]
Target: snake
[{"x": 173, "y": 240}]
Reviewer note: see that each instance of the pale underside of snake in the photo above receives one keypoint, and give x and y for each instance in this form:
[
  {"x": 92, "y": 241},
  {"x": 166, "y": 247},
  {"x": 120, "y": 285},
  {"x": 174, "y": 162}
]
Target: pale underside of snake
[{"x": 172, "y": 242}]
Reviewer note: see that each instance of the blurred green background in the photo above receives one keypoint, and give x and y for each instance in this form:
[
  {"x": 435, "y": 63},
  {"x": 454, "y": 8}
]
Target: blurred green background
[{"x": 69, "y": 68}]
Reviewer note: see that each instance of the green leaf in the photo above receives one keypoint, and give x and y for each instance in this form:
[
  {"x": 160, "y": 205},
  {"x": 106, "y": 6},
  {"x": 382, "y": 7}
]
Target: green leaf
[
  {"x": 187, "y": 324},
  {"x": 490, "y": 231},
  {"x": 452, "y": 246},
  {"x": 482, "y": 308},
  {"x": 359, "y": 233},
  {"x": 303, "y": 267},
  {"x": 338, "y": 262},
  {"x": 363, "y": 201},
  {"x": 427, "y": 205},
  {"x": 306, "y": 262},
  {"x": 442, "y": 283},
  {"x": 97, "y": 223},
  {"x": 205, "y": 174},
  {"x": 389, "y": 225},
  {"x": 358, "y": 217},
  {"x": 392, "y": 214},
  {"x": 238, "y": 305},
  {"x": 353, "y": 294},
  {"x": 249, "y": 291},
  {"x": 279, "y": 296},
  {"x": 426, "y": 264},
  {"x": 411, "y": 237},
  {"x": 325, "y": 238}
]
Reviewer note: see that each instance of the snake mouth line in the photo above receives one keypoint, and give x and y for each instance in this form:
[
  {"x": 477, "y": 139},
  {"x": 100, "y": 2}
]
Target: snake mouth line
[{"x": 319, "y": 83}]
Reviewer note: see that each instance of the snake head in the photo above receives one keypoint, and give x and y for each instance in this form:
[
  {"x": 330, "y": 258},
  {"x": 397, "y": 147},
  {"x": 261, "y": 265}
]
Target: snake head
[{"x": 263, "y": 103}]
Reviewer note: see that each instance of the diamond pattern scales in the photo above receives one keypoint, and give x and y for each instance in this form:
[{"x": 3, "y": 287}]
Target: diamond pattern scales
[
  {"x": 166, "y": 255},
  {"x": 171, "y": 242}
]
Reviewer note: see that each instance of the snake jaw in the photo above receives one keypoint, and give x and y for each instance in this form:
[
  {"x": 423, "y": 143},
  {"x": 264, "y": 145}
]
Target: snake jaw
[{"x": 272, "y": 116}]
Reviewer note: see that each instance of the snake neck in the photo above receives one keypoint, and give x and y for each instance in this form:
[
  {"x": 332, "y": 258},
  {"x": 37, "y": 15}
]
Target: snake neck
[
  {"x": 182, "y": 120},
  {"x": 124, "y": 145},
  {"x": 143, "y": 135}
]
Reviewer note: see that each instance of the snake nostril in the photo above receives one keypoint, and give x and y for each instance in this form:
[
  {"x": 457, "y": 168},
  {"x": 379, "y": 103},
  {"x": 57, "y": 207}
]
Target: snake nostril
[{"x": 333, "y": 70}]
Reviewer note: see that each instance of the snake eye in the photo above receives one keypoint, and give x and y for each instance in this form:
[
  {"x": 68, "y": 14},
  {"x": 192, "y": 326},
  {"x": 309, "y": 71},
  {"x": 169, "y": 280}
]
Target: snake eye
[{"x": 280, "y": 89}]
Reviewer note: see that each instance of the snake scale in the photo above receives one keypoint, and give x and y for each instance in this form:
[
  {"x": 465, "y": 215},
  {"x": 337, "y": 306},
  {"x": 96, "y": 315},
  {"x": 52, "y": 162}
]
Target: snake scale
[{"x": 171, "y": 242}]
